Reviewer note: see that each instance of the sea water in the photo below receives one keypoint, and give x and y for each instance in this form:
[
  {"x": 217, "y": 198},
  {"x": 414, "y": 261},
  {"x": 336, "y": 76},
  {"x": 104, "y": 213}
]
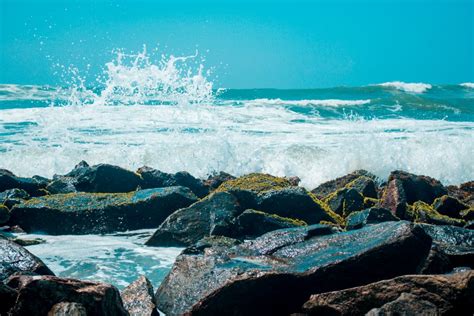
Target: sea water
[{"x": 167, "y": 114}]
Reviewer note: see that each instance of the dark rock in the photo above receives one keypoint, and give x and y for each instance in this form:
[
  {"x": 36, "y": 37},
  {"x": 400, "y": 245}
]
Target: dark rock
[
  {"x": 13, "y": 196},
  {"x": 101, "y": 178},
  {"x": 365, "y": 186},
  {"x": 214, "y": 242},
  {"x": 449, "y": 206},
  {"x": 153, "y": 178},
  {"x": 421, "y": 212},
  {"x": 138, "y": 298},
  {"x": 14, "y": 258},
  {"x": 252, "y": 223},
  {"x": 437, "y": 262},
  {"x": 4, "y": 214},
  {"x": 374, "y": 215},
  {"x": 212, "y": 215},
  {"x": 463, "y": 192},
  {"x": 394, "y": 198},
  {"x": 9, "y": 181},
  {"x": 7, "y": 298},
  {"x": 276, "y": 276},
  {"x": 215, "y": 180},
  {"x": 345, "y": 201},
  {"x": 469, "y": 225},
  {"x": 326, "y": 188},
  {"x": 294, "y": 180},
  {"x": 456, "y": 242},
  {"x": 450, "y": 294},
  {"x": 406, "y": 304},
  {"x": 92, "y": 213},
  {"x": 68, "y": 309},
  {"x": 467, "y": 215},
  {"x": 37, "y": 295},
  {"x": 28, "y": 241}
]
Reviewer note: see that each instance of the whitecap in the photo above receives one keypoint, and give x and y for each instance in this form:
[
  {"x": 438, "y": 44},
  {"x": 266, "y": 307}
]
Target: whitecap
[
  {"x": 323, "y": 102},
  {"x": 407, "y": 87},
  {"x": 467, "y": 85}
]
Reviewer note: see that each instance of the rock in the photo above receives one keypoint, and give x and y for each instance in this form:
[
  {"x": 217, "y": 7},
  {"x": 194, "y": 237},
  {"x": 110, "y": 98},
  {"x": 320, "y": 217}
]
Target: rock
[
  {"x": 94, "y": 213},
  {"x": 215, "y": 242},
  {"x": 68, "y": 309},
  {"x": 406, "y": 304},
  {"x": 255, "y": 182},
  {"x": 275, "y": 274},
  {"x": 4, "y": 214},
  {"x": 365, "y": 186},
  {"x": 102, "y": 178},
  {"x": 212, "y": 215},
  {"x": 469, "y": 225},
  {"x": 374, "y": 215},
  {"x": 463, "y": 192},
  {"x": 14, "y": 258},
  {"x": 153, "y": 178},
  {"x": 450, "y": 294},
  {"x": 7, "y": 298},
  {"x": 294, "y": 180},
  {"x": 326, "y": 188},
  {"x": 467, "y": 215},
  {"x": 138, "y": 298},
  {"x": 449, "y": 206},
  {"x": 38, "y": 295},
  {"x": 13, "y": 196},
  {"x": 456, "y": 242},
  {"x": 394, "y": 198},
  {"x": 32, "y": 186},
  {"x": 421, "y": 212},
  {"x": 28, "y": 241},
  {"x": 437, "y": 262},
  {"x": 253, "y": 223},
  {"x": 215, "y": 180},
  {"x": 345, "y": 201}
]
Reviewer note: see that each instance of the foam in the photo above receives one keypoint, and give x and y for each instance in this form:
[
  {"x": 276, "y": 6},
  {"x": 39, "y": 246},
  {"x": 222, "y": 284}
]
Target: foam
[
  {"x": 467, "y": 85},
  {"x": 325, "y": 102},
  {"x": 407, "y": 87}
]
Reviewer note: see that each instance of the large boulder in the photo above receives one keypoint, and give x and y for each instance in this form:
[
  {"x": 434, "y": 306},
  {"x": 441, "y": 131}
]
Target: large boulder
[
  {"x": 216, "y": 179},
  {"x": 258, "y": 183},
  {"x": 16, "y": 259},
  {"x": 4, "y": 214},
  {"x": 7, "y": 298},
  {"x": 38, "y": 295},
  {"x": 323, "y": 190},
  {"x": 422, "y": 212},
  {"x": 99, "y": 178},
  {"x": 153, "y": 178},
  {"x": 275, "y": 273},
  {"x": 139, "y": 299},
  {"x": 345, "y": 201},
  {"x": 373, "y": 215},
  {"x": 449, "y": 294},
  {"x": 33, "y": 186},
  {"x": 91, "y": 213},
  {"x": 449, "y": 206},
  {"x": 13, "y": 196},
  {"x": 464, "y": 192}
]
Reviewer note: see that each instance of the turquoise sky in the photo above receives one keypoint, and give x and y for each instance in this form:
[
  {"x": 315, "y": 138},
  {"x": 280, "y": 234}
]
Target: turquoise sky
[{"x": 249, "y": 44}]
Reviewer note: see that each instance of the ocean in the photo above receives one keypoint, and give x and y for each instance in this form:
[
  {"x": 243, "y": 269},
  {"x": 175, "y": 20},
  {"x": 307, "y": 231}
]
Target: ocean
[{"x": 170, "y": 116}]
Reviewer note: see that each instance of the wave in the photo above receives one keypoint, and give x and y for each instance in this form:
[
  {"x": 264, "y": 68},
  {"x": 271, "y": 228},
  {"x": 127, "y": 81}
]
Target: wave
[
  {"x": 326, "y": 102},
  {"x": 467, "y": 85},
  {"x": 407, "y": 87}
]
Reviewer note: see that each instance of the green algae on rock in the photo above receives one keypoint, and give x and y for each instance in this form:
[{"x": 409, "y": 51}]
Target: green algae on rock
[
  {"x": 255, "y": 182},
  {"x": 421, "y": 212}
]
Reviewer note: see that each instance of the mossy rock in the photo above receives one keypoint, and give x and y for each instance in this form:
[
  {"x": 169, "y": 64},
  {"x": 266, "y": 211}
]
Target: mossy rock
[
  {"x": 255, "y": 182},
  {"x": 421, "y": 212},
  {"x": 365, "y": 186},
  {"x": 468, "y": 214},
  {"x": 345, "y": 201},
  {"x": 449, "y": 206},
  {"x": 370, "y": 202},
  {"x": 4, "y": 214}
]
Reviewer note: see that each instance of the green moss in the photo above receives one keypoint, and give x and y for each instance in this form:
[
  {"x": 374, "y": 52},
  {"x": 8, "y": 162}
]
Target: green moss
[
  {"x": 370, "y": 202},
  {"x": 293, "y": 221},
  {"x": 422, "y": 212},
  {"x": 337, "y": 218},
  {"x": 467, "y": 214},
  {"x": 256, "y": 182}
]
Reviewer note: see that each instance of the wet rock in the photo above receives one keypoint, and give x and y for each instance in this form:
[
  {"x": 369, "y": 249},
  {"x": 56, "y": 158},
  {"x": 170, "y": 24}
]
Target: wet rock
[
  {"x": 253, "y": 223},
  {"x": 421, "y": 212},
  {"x": 469, "y": 225},
  {"x": 467, "y": 215},
  {"x": 103, "y": 178},
  {"x": 14, "y": 258},
  {"x": 254, "y": 278},
  {"x": 357, "y": 220},
  {"x": 38, "y": 295},
  {"x": 28, "y": 241},
  {"x": 366, "y": 186},
  {"x": 406, "y": 304},
  {"x": 212, "y": 215},
  {"x": 13, "y": 196},
  {"x": 153, "y": 178},
  {"x": 215, "y": 180},
  {"x": 7, "y": 298},
  {"x": 437, "y": 262},
  {"x": 456, "y": 242},
  {"x": 215, "y": 242},
  {"x": 4, "y": 214},
  {"x": 68, "y": 309},
  {"x": 258, "y": 183},
  {"x": 450, "y": 294},
  {"x": 92, "y": 213},
  {"x": 138, "y": 298},
  {"x": 345, "y": 201},
  {"x": 394, "y": 198},
  {"x": 463, "y": 192},
  {"x": 32, "y": 186},
  {"x": 449, "y": 206},
  {"x": 326, "y": 188}
]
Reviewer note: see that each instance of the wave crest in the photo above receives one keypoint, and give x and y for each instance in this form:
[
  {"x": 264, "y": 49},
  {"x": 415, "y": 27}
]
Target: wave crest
[{"x": 407, "y": 87}]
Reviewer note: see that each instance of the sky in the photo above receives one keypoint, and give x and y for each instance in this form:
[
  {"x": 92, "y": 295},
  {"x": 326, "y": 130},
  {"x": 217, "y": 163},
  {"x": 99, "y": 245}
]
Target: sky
[{"x": 247, "y": 44}]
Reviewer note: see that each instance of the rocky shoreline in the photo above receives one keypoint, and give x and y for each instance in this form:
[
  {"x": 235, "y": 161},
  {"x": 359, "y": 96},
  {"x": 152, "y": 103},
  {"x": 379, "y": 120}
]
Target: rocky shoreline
[{"x": 255, "y": 245}]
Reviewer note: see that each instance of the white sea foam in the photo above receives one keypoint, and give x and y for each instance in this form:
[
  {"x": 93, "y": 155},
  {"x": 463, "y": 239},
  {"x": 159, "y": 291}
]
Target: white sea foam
[
  {"x": 325, "y": 102},
  {"x": 467, "y": 85},
  {"x": 407, "y": 87}
]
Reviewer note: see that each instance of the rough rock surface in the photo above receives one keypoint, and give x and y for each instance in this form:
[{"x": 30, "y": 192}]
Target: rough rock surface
[
  {"x": 13, "y": 196},
  {"x": 345, "y": 201},
  {"x": 138, "y": 298},
  {"x": 68, "y": 309},
  {"x": 254, "y": 278},
  {"x": 369, "y": 216},
  {"x": 4, "y": 214},
  {"x": 333, "y": 185},
  {"x": 451, "y": 294},
  {"x": 406, "y": 304},
  {"x": 37, "y": 295},
  {"x": 33, "y": 186},
  {"x": 14, "y": 258},
  {"x": 85, "y": 213},
  {"x": 449, "y": 206}
]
